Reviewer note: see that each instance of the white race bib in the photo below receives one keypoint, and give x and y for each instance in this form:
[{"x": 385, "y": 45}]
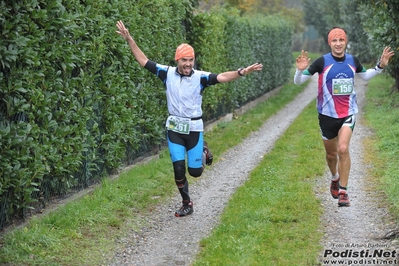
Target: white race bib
[
  {"x": 178, "y": 124},
  {"x": 342, "y": 86}
]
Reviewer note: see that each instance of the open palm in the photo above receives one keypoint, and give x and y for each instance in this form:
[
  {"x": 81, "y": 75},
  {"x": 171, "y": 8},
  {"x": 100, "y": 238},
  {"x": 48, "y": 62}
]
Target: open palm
[{"x": 302, "y": 61}]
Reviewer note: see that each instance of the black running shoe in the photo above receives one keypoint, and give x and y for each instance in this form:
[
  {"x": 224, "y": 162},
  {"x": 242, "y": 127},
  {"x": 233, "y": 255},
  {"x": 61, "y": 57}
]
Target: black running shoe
[
  {"x": 186, "y": 209},
  {"x": 208, "y": 154}
]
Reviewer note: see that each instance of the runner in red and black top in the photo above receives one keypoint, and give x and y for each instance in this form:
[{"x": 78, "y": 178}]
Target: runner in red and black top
[
  {"x": 184, "y": 88},
  {"x": 336, "y": 103}
]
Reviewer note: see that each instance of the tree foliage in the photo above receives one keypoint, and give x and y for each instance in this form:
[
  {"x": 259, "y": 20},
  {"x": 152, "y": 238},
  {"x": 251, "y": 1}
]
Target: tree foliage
[
  {"x": 383, "y": 31},
  {"x": 287, "y": 9},
  {"x": 359, "y": 44},
  {"x": 323, "y": 15}
]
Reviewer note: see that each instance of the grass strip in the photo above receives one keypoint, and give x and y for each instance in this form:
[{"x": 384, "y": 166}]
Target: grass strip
[
  {"x": 382, "y": 115},
  {"x": 273, "y": 219}
]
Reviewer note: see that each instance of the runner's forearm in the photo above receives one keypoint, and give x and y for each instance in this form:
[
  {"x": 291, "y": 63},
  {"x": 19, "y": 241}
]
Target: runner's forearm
[
  {"x": 138, "y": 54},
  {"x": 370, "y": 73},
  {"x": 300, "y": 78}
]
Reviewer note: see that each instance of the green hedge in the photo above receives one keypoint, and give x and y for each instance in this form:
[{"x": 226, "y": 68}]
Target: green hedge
[
  {"x": 72, "y": 97},
  {"x": 75, "y": 105},
  {"x": 226, "y": 41}
]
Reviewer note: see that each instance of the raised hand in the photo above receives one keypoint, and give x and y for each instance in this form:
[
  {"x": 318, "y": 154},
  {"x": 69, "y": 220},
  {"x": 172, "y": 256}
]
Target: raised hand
[
  {"x": 386, "y": 55},
  {"x": 138, "y": 54},
  {"x": 302, "y": 61},
  {"x": 123, "y": 31},
  {"x": 252, "y": 68}
]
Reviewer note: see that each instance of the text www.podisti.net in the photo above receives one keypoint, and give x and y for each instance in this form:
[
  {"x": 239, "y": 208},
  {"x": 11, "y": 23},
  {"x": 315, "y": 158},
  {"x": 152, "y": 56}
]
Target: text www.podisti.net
[{"x": 360, "y": 257}]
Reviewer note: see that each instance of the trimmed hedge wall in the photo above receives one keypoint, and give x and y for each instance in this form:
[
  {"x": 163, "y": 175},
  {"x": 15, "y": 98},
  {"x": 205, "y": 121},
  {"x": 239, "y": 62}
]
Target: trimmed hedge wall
[
  {"x": 226, "y": 41},
  {"x": 75, "y": 106}
]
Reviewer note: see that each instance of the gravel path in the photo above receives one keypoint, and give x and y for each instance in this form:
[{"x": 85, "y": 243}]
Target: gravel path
[{"x": 167, "y": 240}]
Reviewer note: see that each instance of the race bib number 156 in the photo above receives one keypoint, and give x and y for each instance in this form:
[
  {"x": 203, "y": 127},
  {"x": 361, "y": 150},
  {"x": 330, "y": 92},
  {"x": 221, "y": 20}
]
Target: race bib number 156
[{"x": 342, "y": 86}]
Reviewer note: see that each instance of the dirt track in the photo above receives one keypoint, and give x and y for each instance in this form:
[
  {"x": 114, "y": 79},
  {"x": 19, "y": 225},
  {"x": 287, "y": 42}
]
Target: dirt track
[{"x": 359, "y": 227}]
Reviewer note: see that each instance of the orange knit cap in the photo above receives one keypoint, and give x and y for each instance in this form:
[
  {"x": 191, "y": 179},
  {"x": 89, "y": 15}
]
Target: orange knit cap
[
  {"x": 184, "y": 50},
  {"x": 337, "y": 33}
]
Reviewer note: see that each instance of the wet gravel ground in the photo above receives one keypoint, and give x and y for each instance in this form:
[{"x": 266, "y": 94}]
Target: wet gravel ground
[{"x": 166, "y": 240}]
